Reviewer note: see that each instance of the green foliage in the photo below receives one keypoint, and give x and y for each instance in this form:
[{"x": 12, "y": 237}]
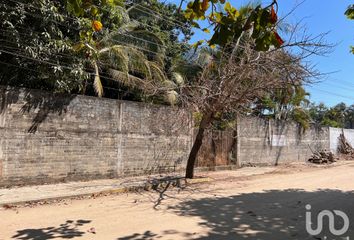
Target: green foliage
[
  {"x": 37, "y": 38},
  {"x": 168, "y": 24},
  {"x": 350, "y": 12},
  {"x": 132, "y": 54},
  {"x": 92, "y": 17},
  {"x": 224, "y": 121},
  {"x": 292, "y": 103},
  {"x": 197, "y": 118},
  {"x": 301, "y": 116},
  {"x": 230, "y": 23},
  {"x": 80, "y": 46},
  {"x": 350, "y": 15},
  {"x": 340, "y": 116},
  {"x": 286, "y": 104}
]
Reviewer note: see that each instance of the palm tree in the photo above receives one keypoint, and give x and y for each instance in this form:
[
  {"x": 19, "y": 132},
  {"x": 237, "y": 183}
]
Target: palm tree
[
  {"x": 134, "y": 58},
  {"x": 130, "y": 55}
]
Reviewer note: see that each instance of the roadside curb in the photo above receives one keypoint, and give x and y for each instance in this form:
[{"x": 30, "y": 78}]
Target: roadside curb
[{"x": 143, "y": 186}]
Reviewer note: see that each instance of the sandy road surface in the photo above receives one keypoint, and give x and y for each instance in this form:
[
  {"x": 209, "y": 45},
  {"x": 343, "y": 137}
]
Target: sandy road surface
[{"x": 269, "y": 206}]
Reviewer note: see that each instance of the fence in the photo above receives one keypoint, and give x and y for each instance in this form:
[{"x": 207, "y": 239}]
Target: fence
[
  {"x": 47, "y": 137},
  {"x": 262, "y": 142}
]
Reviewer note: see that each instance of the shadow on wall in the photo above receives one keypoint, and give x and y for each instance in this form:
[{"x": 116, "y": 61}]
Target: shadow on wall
[
  {"x": 269, "y": 215},
  {"x": 66, "y": 230},
  {"x": 40, "y": 102}
]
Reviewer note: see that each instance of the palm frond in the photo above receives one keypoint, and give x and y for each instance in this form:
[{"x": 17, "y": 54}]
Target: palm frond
[
  {"x": 127, "y": 79},
  {"x": 148, "y": 40},
  {"x": 129, "y": 26},
  {"x": 126, "y": 59},
  {"x": 178, "y": 78},
  {"x": 157, "y": 73},
  {"x": 171, "y": 97},
  {"x": 138, "y": 63},
  {"x": 139, "y": 38},
  {"x": 116, "y": 57},
  {"x": 97, "y": 84}
]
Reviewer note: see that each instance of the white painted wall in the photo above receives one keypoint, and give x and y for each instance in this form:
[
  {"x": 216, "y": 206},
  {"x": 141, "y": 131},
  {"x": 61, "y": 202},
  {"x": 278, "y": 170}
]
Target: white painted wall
[{"x": 334, "y": 134}]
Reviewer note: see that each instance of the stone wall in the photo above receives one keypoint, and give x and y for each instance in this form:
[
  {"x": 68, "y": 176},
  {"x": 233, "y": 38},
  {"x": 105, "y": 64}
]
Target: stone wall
[{"x": 46, "y": 137}]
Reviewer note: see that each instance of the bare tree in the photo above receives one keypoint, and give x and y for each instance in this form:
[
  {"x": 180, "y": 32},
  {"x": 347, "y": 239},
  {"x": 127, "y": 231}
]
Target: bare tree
[{"x": 238, "y": 75}]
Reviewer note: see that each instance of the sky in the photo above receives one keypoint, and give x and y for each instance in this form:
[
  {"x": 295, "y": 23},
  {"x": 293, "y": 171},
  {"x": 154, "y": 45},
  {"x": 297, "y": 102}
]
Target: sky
[{"x": 321, "y": 16}]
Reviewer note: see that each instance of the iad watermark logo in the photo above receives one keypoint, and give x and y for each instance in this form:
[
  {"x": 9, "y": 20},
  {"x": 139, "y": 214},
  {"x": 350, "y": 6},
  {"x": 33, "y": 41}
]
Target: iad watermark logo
[{"x": 332, "y": 217}]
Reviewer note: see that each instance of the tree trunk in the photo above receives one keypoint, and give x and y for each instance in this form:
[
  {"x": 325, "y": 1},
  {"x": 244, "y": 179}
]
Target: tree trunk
[{"x": 197, "y": 144}]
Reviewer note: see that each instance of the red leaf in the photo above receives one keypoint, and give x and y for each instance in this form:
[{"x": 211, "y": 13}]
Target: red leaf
[
  {"x": 279, "y": 39},
  {"x": 273, "y": 16}
]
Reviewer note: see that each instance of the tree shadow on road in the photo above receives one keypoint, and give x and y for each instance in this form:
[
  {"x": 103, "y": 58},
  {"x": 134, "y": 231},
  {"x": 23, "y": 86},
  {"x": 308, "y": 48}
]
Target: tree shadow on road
[
  {"x": 149, "y": 235},
  {"x": 140, "y": 236},
  {"x": 67, "y": 230},
  {"x": 273, "y": 215}
]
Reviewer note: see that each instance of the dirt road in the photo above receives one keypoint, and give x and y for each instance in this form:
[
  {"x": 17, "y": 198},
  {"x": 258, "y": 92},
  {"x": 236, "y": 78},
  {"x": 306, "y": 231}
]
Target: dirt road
[{"x": 269, "y": 206}]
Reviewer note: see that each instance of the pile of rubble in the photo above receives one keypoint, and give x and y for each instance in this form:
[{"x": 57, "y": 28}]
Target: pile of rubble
[
  {"x": 323, "y": 157},
  {"x": 344, "y": 147}
]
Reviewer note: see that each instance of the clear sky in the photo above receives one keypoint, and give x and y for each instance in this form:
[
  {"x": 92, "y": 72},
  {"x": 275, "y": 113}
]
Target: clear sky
[{"x": 323, "y": 16}]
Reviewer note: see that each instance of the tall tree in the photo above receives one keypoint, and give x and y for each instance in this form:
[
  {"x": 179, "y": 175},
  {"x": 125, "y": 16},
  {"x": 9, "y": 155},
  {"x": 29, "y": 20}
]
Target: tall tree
[
  {"x": 249, "y": 63},
  {"x": 287, "y": 103},
  {"x": 338, "y": 116}
]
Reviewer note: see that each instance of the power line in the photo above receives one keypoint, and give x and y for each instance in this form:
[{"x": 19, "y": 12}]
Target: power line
[
  {"x": 71, "y": 56},
  {"x": 163, "y": 17},
  {"x": 343, "y": 82},
  {"x": 52, "y": 54},
  {"x": 333, "y": 94},
  {"x": 19, "y": 54},
  {"x": 104, "y": 63},
  {"x": 344, "y": 86},
  {"x": 39, "y": 60},
  {"x": 139, "y": 48},
  {"x": 141, "y": 39},
  {"x": 106, "y": 77},
  {"x": 159, "y": 16},
  {"x": 10, "y": 64},
  {"x": 118, "y": 32},
  {"x": 128, "y": 35},
  {"x": 31, "y": 6},
  {"x": 137, "y": 6},
  {"x": 56, "y": 65},
  {"x": 41, "y": 17}
]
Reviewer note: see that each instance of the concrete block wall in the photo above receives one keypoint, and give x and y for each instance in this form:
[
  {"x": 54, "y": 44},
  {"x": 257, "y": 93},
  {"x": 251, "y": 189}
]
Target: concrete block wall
[
  {"x": 46, "y": 137},
  {"x": 153, "y": 138},
  {"x": 268, "y": 142}
]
